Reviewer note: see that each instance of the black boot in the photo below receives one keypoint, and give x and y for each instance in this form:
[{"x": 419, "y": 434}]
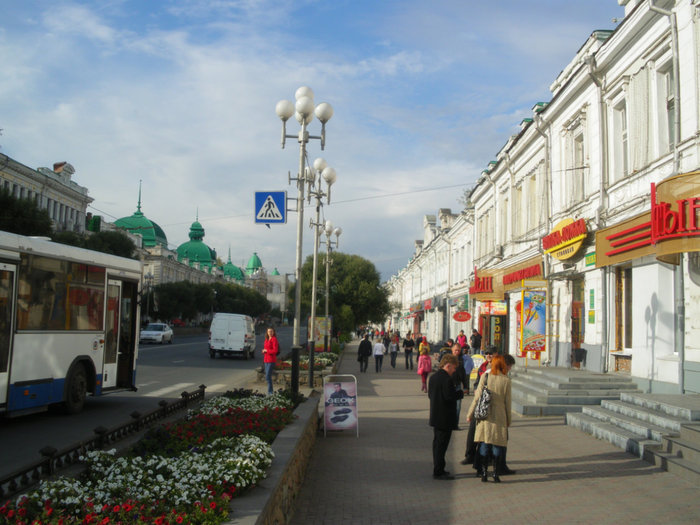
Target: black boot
[
  {"x": 504, "y": 468},
  {"x": 498, "y": 468},
  {"x": 484, "y": 470},
  {"x": 477, "y": 464}
]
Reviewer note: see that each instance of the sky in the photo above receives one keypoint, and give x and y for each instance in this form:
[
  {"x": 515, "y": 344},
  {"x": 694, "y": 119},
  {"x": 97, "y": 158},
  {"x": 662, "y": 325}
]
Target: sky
[{"x": 180, "y": 95}]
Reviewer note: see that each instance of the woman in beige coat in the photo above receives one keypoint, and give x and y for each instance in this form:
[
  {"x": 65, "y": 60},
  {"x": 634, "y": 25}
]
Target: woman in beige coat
[{"x": 492, "y": 432}]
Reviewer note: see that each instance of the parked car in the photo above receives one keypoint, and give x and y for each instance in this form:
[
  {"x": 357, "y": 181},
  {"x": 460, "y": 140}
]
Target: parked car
[
  {"x": 157, "y": 333},
  {"x": 177, "y": 322}
]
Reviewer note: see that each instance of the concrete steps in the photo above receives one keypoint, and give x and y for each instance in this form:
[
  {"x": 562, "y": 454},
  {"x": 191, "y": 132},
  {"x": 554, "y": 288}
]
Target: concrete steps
[
  {"x": 558, "y": 391},
  {"x": 660, "y": 428}
]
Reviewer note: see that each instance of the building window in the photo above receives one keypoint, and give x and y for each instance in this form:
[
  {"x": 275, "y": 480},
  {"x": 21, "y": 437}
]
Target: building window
[
  {"x": 666, "y": 112},
  {"x": 623, "y": 308},
  {"x": 621, "y": 142},
  {"x": 517, "y": 211},
  {"x": 532, "y": 204},
  {"x": 503, "y": 226},
  {"x": 577, "y": 168}
]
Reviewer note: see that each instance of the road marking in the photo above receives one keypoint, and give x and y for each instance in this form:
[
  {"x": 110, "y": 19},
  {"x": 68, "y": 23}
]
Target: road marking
[
  {"x": 179, "y": 388},
  {"x": 218, "y": 388},
  {"x": 182, "y": 360}
]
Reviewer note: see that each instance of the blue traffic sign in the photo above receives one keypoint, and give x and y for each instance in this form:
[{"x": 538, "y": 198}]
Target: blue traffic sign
[{"x": 270, "y": 207}]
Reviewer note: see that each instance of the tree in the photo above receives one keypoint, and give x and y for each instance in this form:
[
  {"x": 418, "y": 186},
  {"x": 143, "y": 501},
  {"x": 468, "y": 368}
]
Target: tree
[
  {"x": 356, "y": 296},
  {"x": 112, "y": 242},
  {"x": 23, "y": 216}
]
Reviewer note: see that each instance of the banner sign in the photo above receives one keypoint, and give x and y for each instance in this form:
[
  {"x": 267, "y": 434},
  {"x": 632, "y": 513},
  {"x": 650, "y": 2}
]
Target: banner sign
[
  {"x": 531, "y": 324},
  {"x": 462, "y": 317},
  {"x": 340, "y": 396}
]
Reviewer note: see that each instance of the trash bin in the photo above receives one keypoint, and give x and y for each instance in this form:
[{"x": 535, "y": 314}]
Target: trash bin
[{"x": 578, "y": 356}]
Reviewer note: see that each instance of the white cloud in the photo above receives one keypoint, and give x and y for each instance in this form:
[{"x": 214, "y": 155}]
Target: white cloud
[{"x": 181, "y": 95}]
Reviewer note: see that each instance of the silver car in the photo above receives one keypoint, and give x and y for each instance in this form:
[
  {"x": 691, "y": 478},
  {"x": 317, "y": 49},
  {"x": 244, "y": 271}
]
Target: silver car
[{"x": 157, "y": 333}]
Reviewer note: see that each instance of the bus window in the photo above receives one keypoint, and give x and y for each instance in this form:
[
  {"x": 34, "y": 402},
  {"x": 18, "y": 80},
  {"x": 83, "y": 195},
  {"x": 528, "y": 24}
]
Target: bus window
[{"x": 59, "y": 295}]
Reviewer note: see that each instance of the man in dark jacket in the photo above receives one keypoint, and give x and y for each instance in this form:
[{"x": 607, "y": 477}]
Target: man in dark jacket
[
  {"x": 459, "y": 378},
  {"x": 443, "y": 412},
  {"x": 363, "y": 353}
]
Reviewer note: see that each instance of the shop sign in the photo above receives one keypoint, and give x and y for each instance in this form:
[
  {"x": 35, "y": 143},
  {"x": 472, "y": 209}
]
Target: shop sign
[
  {"x": 524, "y": 273},
  {"x": 494, "y": 308},
  {"x": 428, "y": 304},
  {"x": 481, "y": 284},
  {"x": 669, "y": 221},
  {"x": 462, "y": 317},
  {"x": 672, "y": 226},
  {"x": 565, "y": 239},
  {"x": 590, "y": 259}
]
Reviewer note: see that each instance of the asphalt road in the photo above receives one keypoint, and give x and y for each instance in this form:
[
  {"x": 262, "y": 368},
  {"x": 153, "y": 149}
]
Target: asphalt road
[{"x": 163, "y": 373}]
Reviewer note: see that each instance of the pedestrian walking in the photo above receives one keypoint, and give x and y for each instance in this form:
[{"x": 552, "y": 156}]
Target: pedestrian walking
[
  {"x": 271, "y": 348},
  {"x": 475, "y": 341},
  {"x": 443, "y": 413},
  {"x": 394, "y": 350},
  {"x": 408, "y": 346},
  {"x": 378, "y": 350},
  {"x": 459, "y": 378},
  {"x": 492, "y": 432},
  {"x": 363, "y": 353},
  {"x": 425, "y": 366},
  {"x": 468, "y": 364},
  {"x": 462, "y": 339}
]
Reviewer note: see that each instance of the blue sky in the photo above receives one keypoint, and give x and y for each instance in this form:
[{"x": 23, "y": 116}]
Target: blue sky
[{"x": 181, "y": 94}]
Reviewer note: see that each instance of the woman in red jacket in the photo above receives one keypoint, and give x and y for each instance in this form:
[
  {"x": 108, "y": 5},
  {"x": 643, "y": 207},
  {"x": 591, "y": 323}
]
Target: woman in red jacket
[{"x": 270, "y": 350}]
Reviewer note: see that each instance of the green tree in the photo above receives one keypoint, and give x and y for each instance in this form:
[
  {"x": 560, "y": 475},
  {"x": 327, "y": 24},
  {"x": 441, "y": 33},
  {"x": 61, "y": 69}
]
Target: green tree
[
  {"x": 112, "y": 242},
  {"x": 356, "y": 295},
  {"x": 23, "y": 216}
]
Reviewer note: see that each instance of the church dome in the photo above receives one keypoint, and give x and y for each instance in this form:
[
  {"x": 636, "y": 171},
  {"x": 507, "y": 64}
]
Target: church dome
[
  {"x": 233, "y": 271},
  {"x": 275, "y": 271},
  {"x": 195, "y": 251},
  {"x": 254, "y": 264},
  {"x": 139, "y": 224}
]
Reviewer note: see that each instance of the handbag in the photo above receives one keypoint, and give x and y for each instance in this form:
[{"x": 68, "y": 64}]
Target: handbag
[{"x": 483, "y": 404}]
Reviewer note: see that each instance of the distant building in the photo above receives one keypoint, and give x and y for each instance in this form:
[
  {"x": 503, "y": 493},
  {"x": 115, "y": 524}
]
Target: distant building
[{"x": 52, "y": 190}]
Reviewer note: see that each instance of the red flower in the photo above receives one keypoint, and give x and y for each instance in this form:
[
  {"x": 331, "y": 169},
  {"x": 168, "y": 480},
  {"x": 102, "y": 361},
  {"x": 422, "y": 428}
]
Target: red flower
[
  {"x": 178, "y": 519},
  {"x": 212, "y": 504},
  {"x": 116, "y": 508}
]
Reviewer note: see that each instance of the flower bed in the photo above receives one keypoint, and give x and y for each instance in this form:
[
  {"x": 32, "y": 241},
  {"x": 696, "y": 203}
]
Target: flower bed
[{"x": 182, "y": 472}]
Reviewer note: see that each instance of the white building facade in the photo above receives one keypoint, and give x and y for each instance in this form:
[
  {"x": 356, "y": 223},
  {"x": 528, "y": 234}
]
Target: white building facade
[{"x": 592, "y": 209}]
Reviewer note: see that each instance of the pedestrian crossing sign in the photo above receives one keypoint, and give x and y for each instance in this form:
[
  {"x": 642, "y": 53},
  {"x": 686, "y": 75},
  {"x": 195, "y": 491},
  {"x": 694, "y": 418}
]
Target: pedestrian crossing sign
[{"x": 271, "y": 207}]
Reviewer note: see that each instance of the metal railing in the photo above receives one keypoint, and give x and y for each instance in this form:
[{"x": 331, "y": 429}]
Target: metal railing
[{"x": 53, "y": 460}]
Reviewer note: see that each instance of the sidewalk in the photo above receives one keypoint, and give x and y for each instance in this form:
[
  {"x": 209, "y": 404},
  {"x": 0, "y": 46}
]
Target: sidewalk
[{"x": 563, "y": 475}]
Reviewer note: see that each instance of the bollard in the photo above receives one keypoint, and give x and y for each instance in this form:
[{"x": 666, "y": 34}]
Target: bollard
[{"x": 295, "y": 370}]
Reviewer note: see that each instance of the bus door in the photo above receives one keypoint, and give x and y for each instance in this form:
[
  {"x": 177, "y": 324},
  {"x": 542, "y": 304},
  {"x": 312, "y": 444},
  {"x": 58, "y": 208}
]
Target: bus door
[
  {"x": 7, "y": 283},
  {"x": 112, "y": 326}
]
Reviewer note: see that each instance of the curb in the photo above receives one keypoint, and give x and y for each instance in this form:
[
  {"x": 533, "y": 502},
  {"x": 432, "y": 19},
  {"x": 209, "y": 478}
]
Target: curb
[{"x": 272, "y": 500}]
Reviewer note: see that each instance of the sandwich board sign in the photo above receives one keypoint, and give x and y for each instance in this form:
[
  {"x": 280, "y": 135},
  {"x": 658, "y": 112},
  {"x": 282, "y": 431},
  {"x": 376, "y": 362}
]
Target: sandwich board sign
[
  {"x": 270, "y": 207},
  {"x": 340, "y": 396}
]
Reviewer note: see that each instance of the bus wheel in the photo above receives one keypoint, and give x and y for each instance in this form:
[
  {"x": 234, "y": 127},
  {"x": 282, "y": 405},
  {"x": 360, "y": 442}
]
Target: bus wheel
[
  {"x": 212, "y": 353},
  {"x": 76, "y": 391}
]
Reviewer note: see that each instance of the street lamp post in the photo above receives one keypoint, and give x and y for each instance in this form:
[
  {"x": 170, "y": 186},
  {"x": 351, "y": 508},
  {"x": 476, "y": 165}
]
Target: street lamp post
[
  {"x": 320, "y": 170},
  {"x": 149, "y": 279},
  {"x": 328, "y": 228},
  {"x": 303, "y": 110}
]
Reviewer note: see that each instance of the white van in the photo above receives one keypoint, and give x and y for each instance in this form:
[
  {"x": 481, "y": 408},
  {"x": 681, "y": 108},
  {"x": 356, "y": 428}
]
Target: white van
[{"x": 232, "y": 334}]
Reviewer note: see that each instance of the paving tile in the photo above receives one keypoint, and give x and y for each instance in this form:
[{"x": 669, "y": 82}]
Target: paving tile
[{"x": 564, "y": 475}]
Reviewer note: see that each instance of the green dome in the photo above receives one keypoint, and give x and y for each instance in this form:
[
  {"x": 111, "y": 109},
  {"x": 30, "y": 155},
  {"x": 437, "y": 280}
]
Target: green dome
[
  {"x": 233, "y": 271},
  {"x": 195, "y": 251},
  {"x": 138, "y": 224},
  {"x": 254, "y": 264},
  {"x": 275, "y": 272}
]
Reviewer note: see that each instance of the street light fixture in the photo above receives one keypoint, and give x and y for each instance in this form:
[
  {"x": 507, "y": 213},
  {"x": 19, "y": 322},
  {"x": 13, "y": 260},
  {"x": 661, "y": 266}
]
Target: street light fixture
[
  {"x": 149, "y": 280},
  {"x": 328, "y": 228},
  {"x": 320, "y": 170},
  {"x": 303, "y": 110}
]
